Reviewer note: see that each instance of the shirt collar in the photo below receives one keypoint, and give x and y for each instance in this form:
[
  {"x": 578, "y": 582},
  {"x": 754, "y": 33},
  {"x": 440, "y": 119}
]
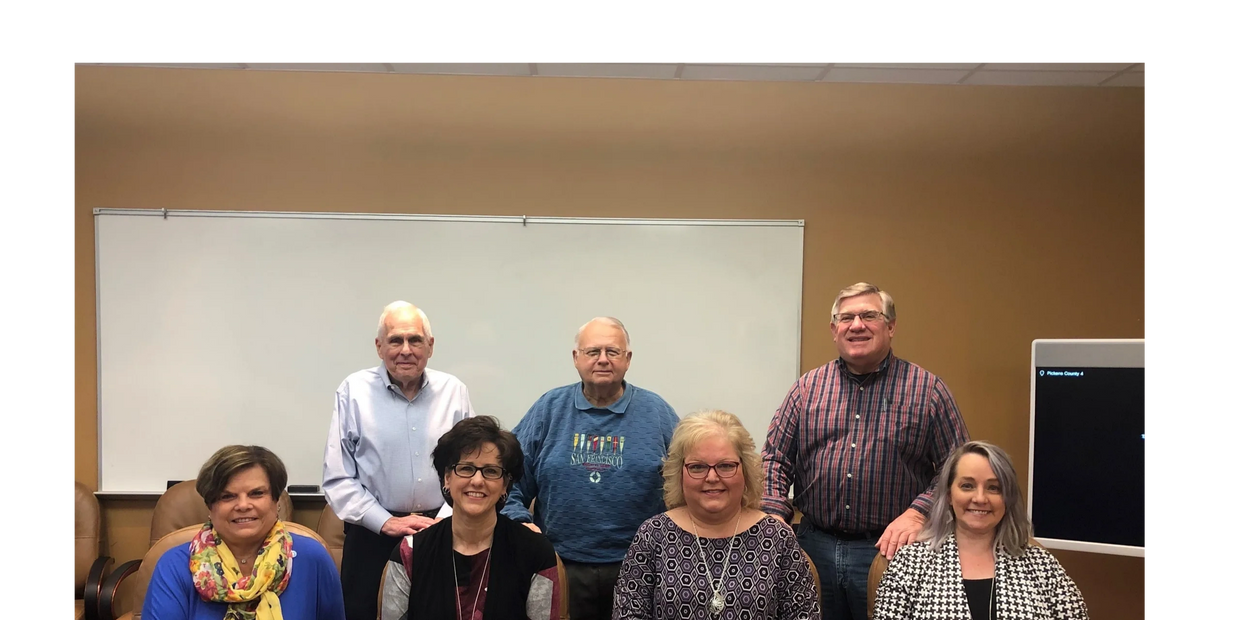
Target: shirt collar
[
  {"x": 387, "y": 380},
  {"x": 579, "y": 399},
  {"x": 882, "y": 367}
]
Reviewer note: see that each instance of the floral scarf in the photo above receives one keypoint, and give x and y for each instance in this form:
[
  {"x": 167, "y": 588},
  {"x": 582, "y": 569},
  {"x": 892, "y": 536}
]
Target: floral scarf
[{"x": 217, "y": 577}]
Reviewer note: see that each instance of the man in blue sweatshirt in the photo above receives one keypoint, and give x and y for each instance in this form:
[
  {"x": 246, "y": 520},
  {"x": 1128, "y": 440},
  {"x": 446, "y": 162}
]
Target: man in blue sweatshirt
[{"x": 593, "y": 458}]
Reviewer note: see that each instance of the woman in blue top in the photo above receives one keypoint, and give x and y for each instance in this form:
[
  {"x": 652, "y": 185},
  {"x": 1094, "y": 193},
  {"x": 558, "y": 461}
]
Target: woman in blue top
[{"x": 244, "y": 564}]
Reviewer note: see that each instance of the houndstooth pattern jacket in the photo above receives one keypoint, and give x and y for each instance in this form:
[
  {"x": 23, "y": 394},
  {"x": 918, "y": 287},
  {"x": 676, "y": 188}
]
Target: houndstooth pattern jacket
[{"x": 921, "y": 584}]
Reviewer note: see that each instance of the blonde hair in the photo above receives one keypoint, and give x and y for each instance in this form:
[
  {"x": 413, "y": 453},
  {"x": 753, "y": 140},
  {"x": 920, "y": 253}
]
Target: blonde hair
[
  {"x": 865, "y": 288},
  {"x": 694, "y": 429}
]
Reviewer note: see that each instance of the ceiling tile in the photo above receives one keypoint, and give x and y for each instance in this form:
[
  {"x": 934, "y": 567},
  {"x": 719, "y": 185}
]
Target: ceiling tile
[
  {"x": 665, "y": 71},
  {"x": 910, "y": 65},
  {"x": 495, "y": 68},
  {"x": 321, "y": 66},
  {"x": 173, "y": 65},
  {"x": 1128, "y": 79},
  {"x": 903, "y": 76},
  {"x": 624, "y": 62},
  {"x": 763, "y": 63},
  {"x": 1039, "y": 78},
  {"x": 755, "y": 73},
  {"x": 1057, "y": 66}
]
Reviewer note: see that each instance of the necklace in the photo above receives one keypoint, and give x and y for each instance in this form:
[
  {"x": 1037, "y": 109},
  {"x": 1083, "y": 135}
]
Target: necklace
[
  {"x": 481, "y": 586},
  {"x": 716, "y": 601},
  {"x": 990, "y": 604}
]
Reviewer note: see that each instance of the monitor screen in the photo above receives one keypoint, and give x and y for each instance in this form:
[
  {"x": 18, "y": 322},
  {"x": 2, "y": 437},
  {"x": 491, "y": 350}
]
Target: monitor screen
[{"x": 1087, "y": 452}]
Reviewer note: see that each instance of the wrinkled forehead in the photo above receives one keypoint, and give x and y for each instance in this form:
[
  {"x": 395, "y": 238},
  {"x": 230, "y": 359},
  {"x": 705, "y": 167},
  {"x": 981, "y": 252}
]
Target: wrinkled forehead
[
  {"x": 861, "y": 303},
  {"x": 601, "y": 335},
  {"x": 404, "y": 323}
]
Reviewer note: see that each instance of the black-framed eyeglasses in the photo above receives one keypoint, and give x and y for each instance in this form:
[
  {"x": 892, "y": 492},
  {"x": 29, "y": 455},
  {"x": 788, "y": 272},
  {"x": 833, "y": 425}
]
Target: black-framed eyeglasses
[
  {"x": 725, "y": 469},
  {"x": 490, "y": 472},
  {"x": 869, "y": 316}
]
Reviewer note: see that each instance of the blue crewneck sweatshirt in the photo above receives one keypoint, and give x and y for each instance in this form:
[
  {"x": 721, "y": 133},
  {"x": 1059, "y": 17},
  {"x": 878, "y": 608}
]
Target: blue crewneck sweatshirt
[{"x": 596, "y": 472}]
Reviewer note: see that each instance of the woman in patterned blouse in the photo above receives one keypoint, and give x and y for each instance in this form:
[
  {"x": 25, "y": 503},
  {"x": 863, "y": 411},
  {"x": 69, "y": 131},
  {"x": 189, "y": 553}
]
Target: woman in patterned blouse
[
  {"x": 974, "y": 558},
  {"x": 714, "y": 554}
]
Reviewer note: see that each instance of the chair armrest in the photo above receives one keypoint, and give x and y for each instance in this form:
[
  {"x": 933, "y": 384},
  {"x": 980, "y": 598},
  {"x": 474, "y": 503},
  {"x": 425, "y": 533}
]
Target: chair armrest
[
  {"x": 107, "y": 591},
  {"x": 94, "y": 581}
]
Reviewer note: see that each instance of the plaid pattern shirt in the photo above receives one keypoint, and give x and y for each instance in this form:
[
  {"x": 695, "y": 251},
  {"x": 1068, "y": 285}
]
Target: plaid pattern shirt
[{"x": 860, "y": 449}]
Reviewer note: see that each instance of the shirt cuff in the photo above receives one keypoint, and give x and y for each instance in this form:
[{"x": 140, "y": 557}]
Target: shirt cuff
[
  {"x": 374, "y": 518},
  {"x": 922, "y": 504},
  {"x": 777, "y": 507}
]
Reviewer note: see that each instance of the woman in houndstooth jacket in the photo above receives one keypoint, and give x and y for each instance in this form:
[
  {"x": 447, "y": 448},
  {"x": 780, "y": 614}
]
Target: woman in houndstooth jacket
[{"x": 974, "y": 559}]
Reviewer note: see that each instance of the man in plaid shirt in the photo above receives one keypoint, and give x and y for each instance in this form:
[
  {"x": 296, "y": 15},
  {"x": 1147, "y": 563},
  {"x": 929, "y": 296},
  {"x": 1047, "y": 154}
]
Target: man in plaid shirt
[{"x": 861, "y": 440}]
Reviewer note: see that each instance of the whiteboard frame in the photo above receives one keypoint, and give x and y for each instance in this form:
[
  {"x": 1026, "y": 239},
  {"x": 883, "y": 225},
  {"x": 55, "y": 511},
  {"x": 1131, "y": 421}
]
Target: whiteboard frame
[{"x": 512, "y": 219}]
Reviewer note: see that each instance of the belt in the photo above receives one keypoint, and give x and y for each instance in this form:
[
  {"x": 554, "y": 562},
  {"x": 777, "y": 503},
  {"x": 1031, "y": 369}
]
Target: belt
[
  {"x": 842, "y": 535},
  {"x": 425, "y": 513}
]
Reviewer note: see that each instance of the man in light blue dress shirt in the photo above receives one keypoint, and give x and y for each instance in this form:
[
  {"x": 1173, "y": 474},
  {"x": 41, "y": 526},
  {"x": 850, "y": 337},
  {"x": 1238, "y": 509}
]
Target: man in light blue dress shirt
[{"x": 377, "y": 472}]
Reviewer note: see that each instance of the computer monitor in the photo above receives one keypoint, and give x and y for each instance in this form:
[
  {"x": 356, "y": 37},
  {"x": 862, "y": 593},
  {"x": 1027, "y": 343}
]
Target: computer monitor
[{"x": 1087, "y": 445}]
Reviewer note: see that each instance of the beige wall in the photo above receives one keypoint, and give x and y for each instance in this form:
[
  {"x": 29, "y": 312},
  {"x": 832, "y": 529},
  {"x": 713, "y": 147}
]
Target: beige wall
[{"x": 994, "y": 215}]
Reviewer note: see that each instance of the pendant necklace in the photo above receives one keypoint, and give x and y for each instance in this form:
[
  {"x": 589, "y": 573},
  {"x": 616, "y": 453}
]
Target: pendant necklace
[
  {"x": 482, "y": 586},
  {"x": 716, "y": 601}
]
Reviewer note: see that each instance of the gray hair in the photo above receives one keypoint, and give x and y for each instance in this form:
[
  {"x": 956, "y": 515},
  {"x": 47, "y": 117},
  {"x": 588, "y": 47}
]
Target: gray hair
[
  {"x": 609, "y": 320},
  {"x": 1014, "y": 528},
  {"x": 865, "y": 288},
  {"x": 402, "y": 306}
]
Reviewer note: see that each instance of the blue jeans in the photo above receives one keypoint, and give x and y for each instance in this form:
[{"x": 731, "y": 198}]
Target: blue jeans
[{"x": 843, "y": 568}]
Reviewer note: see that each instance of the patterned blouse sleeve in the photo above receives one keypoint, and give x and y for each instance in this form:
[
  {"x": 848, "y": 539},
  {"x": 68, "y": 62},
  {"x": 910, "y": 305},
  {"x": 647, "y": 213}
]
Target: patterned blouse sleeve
[
  {"x": 798, "y": 597},
  {"x": 1066, "y": 601},
  {"x": 892, "y": 601},
  {"x": 545, "y": 593},
  {"x": 394, "y": 603},
  {"x": 634, "y": 594}
]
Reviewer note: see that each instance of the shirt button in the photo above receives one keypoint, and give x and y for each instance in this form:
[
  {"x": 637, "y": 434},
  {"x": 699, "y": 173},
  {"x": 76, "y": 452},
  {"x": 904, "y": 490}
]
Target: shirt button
[
  {"x": 861, "y": 389},
  {"x": 847, "y": 507},
  {"x": 414, "y": 428},
  {"x": 419, "y": 480},
  {"x": 858, "y": 416},
  {"x": 854, "y": 446},
  {"x": 850, "y": 475}
]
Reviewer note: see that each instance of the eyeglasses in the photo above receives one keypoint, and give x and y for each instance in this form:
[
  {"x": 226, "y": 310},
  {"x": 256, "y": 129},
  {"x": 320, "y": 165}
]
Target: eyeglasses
[
  {"x": 490, "y": 472},
  {"x": 869, "y": 316},
  {"x": 725, "y": 469},
  {"x": 611, "y": 352}
]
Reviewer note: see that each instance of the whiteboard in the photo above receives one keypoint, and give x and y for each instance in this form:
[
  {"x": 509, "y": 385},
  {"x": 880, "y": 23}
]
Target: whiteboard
[{"x": 218, "y": 327}]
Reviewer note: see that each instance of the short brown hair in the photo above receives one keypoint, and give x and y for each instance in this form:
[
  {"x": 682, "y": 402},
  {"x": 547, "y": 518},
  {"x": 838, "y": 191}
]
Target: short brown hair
[
  {"x": 231, "y": 460},
  {"x": 469, "y": 435}
]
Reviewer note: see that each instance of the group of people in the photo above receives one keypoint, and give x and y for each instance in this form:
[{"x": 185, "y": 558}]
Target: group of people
[{"x": 449, "y": 516}]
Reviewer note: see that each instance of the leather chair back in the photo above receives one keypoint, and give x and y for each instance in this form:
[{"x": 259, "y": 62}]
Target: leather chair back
[
  {"x": 331, "y": 529},
  {"x": 85, "y": 533}
]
